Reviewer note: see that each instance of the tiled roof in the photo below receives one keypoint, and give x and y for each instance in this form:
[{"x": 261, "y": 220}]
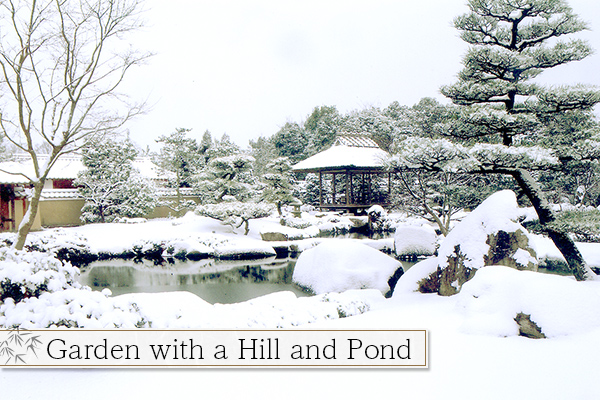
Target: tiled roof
[
  {"x": 48, "y": 194},
  {"x": 355, "y": 140}
]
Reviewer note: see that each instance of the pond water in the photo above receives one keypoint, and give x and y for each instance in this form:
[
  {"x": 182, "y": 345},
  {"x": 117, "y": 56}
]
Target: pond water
[{"x": 215, "y": 281}]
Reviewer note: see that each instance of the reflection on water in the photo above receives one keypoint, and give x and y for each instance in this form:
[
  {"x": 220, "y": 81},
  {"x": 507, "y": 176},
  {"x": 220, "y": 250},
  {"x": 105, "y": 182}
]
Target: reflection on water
[{"x": 214, "y": 281}]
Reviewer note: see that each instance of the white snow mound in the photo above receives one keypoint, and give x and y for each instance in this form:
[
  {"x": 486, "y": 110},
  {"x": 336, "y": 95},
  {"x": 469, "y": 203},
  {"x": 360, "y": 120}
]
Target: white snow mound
[
  {"x": 340, "y": 265},
  {"x": 415, "y": 240},
  {"x": 559, "y": 305}
]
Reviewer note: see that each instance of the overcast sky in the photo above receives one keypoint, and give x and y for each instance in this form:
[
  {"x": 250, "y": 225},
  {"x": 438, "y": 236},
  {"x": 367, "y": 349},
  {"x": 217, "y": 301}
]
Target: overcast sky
[{"x": 246, "y": 67}]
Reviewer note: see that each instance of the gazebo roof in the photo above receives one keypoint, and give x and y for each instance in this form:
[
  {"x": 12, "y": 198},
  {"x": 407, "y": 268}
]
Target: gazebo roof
[{"x": 348, "y": 152}]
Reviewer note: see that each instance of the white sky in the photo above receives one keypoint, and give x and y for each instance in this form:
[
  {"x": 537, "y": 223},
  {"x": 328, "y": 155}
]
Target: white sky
[{"x": 246, "y": 67}]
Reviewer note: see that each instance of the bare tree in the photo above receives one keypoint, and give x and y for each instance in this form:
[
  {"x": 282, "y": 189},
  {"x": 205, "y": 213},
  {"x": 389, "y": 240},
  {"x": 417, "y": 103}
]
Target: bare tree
[{"x": 61, "y": 62}]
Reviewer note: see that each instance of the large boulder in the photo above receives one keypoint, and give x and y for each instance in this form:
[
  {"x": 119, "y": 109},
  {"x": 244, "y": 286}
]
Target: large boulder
[
  {"x": 341, "y": 265},
  {"x": 490, "y": 235}
]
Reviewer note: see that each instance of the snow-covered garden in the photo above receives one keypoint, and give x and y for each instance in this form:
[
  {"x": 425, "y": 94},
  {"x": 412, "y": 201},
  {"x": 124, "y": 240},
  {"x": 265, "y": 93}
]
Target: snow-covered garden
[
  {"x": 476, "y": 326},
  {"x": 482, "y": 227}
]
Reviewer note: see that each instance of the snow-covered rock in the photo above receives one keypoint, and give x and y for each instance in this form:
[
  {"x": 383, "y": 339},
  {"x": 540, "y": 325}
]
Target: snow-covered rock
[
  {"x": 415, "y": 240},
  {"x": 280, "y": 233},
  {"x": 490, "y": 235},
  {"x": 339, "y": 265}
]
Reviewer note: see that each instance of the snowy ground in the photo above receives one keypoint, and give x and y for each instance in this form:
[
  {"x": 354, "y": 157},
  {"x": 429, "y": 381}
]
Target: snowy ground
[{"x": 475, "y": 352}]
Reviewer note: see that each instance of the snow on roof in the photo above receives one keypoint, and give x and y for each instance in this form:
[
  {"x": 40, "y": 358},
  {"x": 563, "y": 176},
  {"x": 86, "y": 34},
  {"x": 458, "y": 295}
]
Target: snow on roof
[
  {"x": 67, "y": 167},
  {"x": 49, "y": 194},
  {"x": 15, "y": 168},
  {"x": 342, "y": 156}
]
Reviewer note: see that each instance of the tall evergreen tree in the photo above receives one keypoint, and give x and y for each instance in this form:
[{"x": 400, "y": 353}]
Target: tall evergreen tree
[
  {"x": 321, "y": 126},
  {"x": 179, "y": 155},
  {"x": 501, "y": 128},
  {"x": 279, "y": 183},
  {"x": 291, "y": 141},
  {"x": 110, "y": 185}
]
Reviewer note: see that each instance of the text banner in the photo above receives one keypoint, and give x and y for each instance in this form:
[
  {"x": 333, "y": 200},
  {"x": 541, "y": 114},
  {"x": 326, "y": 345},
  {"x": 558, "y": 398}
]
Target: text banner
[{"x": 213, "y": 348}]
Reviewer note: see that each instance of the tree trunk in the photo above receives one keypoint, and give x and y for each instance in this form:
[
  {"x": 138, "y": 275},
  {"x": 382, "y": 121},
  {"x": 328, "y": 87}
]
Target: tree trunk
[
  {"x": 29, "y": 217},
  {"x": 581, "y": 271}
]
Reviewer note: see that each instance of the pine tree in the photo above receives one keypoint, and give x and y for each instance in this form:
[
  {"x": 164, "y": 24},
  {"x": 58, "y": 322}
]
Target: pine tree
[
  {"x": 501, "y": 126},
  {"x": 226, "y": 176},
  {"x": 291, "y": 141},
  {"x": 279, "y": 183},
  {"x": 181, "y": 156},
  {"x": 110, "y": 185},
  {"x": 321, "y": 127},
  {"x": 235, "y": 213}
]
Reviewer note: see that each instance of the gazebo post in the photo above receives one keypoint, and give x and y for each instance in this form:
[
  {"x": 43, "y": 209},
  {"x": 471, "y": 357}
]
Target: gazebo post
[
  {"x": 333, "y": 187},
  {"x": 369, "y": 189},
  {"x": 347, "y": 188},
  {"x": 321, "y": 190},
  {"x": 351, "y": 188}
]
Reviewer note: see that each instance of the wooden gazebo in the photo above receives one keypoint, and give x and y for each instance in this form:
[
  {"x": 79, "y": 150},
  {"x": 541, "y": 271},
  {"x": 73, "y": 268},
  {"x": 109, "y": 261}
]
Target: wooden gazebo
[{"x": 351, "y": 174}]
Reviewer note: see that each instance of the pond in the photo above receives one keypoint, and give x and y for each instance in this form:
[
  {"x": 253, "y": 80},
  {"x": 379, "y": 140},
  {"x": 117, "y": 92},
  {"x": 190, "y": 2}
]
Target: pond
[{"x": 215, "y": 281}]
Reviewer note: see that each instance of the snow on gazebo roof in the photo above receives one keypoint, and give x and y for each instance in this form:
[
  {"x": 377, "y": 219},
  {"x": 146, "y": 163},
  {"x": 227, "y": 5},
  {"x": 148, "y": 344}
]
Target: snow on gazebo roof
[{"x": 349, "y": 151}]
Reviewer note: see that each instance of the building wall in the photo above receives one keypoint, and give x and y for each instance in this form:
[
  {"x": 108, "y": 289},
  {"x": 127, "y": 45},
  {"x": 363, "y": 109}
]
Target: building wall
[
  {"x": 60, "y": 212},
  {"x": 163, "y": 212},
  {"x": 67, "y": 212}
]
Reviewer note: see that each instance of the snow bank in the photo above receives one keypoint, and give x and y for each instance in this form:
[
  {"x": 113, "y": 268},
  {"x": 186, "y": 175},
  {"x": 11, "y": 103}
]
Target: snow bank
[
  {"x": 559, "y": 305},
  {"x": 84, "y": 308},
  {"x": 339, "y": 265},
  {"x": 415, "y": 241},
  {"x": 546, "y": 250}
]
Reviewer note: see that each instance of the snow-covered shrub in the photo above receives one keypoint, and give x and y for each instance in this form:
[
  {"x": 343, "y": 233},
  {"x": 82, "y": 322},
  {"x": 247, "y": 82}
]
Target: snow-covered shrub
[
  {"x": 72, "y": 308},
  {"x": 338, "y": 265},
  {"x": 379, "y": 219},
  {"x": 293, "y": 222},
  {"x": 126, "y": 220},
  {"x": 333, "y": 224},
  {"x": 29, "y": 274},
  {"x": 414, "y": 241},
  {"x": 149, "y": 249},
  {"x": 376, "y": 213},
  {"x": 66, "y": 246},
  {"x": 235, "y": 213}
]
